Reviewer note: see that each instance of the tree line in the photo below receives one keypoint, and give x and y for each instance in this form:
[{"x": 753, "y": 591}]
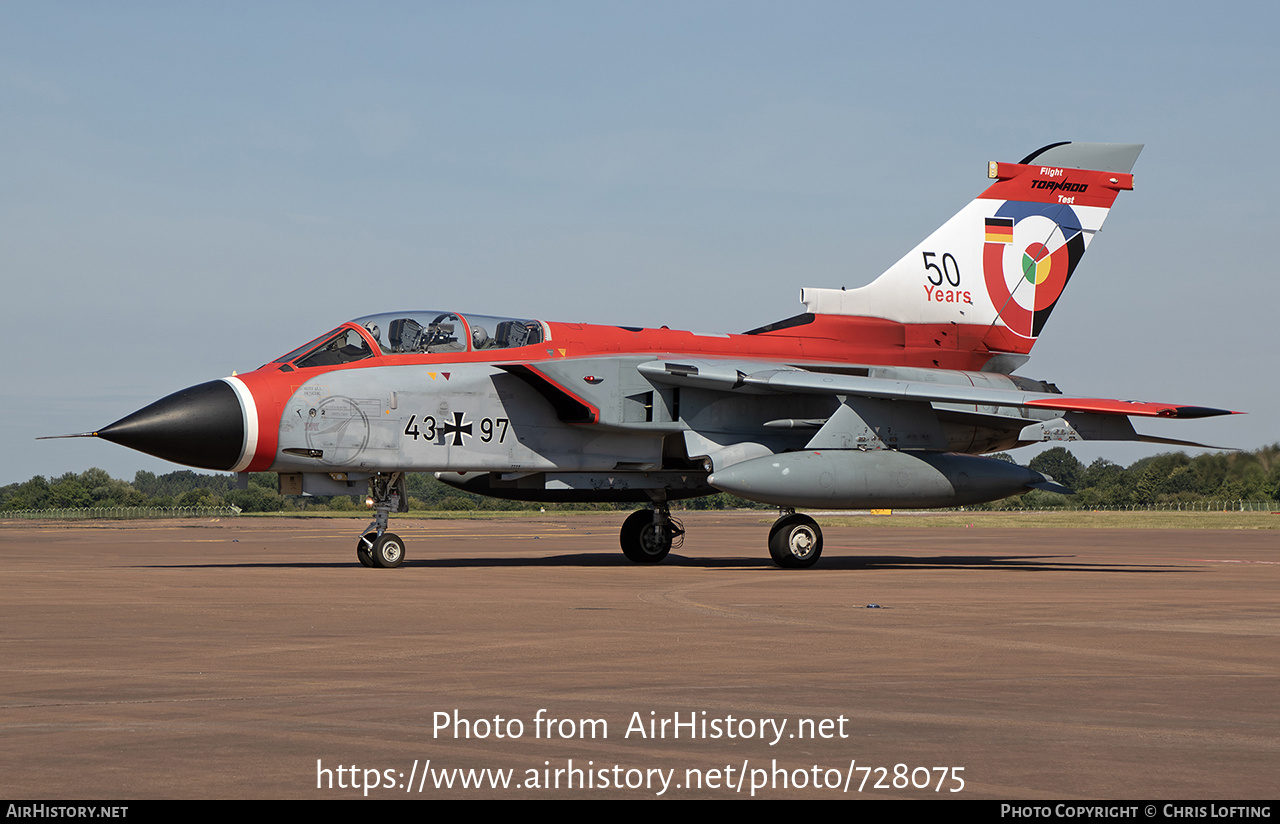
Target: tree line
[
  {"x": 1170, "y": 478},
  {"x": 185, "y": 488}
]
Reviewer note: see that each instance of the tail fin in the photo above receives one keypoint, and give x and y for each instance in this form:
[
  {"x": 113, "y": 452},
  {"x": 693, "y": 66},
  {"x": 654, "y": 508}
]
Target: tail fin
[{"x": 988, "y": 278}]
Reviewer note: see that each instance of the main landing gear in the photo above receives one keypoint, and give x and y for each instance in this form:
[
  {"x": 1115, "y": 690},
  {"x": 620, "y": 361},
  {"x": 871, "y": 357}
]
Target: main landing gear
[
  {"x": 649, "y": 534},
  {"x": 795, "y": 541},
  {"x": 377, "y": 547}
]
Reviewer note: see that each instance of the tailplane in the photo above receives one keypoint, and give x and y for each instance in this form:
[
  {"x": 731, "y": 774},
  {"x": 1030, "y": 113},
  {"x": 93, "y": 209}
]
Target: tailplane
[{"x": 988, "y": 278}]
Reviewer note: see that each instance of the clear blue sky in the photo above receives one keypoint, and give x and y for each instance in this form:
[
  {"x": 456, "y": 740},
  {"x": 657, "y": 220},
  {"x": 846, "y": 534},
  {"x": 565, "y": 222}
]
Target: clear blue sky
[{"x": 189, "y": 189}]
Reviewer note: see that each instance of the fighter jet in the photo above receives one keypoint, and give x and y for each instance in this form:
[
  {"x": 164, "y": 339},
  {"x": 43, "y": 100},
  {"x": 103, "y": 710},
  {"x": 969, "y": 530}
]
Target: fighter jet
[{"x": 883, "y": 396}]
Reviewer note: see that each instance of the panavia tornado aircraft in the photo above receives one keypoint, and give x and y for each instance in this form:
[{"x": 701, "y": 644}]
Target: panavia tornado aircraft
[{"x": 881, "y": 396}]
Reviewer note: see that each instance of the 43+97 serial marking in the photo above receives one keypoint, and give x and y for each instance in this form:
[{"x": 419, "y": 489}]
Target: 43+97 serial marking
[{"x": 457, "y": 430}]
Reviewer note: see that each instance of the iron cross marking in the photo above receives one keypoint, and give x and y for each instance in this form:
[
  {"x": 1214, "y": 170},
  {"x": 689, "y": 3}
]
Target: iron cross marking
[{"x": 458, "y": 429}]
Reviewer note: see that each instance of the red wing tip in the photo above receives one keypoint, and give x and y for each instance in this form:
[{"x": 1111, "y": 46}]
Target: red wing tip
[
  {"x": 1109, "y": 406},
  {"x": 1197, "y": 412}
]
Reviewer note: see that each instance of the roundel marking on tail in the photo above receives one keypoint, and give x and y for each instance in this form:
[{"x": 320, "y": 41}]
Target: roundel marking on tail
[
  {"x": 1036, "y": 262},
  {"x": 1043, "y": 255}
]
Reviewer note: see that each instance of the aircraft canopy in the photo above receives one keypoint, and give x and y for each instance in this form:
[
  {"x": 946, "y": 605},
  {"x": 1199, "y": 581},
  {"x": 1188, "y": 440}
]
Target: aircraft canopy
[{"x": 417, "y": 332}]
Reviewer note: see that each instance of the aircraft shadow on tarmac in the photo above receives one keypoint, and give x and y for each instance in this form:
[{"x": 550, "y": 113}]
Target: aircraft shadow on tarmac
[{"x": 1010, "y": 563}]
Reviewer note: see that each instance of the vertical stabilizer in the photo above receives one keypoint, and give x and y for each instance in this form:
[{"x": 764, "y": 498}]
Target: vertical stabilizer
[{"x": 989, "y": 277}]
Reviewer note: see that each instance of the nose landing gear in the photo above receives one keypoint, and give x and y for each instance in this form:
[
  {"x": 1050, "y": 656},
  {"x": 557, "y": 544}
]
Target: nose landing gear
[{"x": 377, "y": 547}]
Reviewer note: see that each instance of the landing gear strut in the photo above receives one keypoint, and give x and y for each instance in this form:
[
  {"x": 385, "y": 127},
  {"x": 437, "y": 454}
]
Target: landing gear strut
[
  {"x": 795, "y": 541},
  {"x": 649, "y": 534},
  {"x": 377, "y": 547}
]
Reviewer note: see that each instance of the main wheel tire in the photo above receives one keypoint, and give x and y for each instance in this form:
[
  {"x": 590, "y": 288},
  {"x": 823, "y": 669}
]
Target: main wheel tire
[
  {"x": 388, "y": 551},
  {"x": 643, "y": 541},
  {"x": 363, "y": 552},
  {"x": 795, "y": 542}
]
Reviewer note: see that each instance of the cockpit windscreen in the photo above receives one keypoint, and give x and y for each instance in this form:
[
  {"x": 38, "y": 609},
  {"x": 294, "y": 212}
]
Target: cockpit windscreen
[{"x": 400, "y": 333}]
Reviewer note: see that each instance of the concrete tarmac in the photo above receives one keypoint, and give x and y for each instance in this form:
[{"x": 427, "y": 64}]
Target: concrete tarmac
[{"x": 254, "y": 658}]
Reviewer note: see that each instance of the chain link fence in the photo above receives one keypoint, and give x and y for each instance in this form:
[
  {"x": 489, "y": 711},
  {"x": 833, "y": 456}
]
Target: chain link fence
[
  {"x": 1185, "y": 506},
  {"x": 123, "y": 513}
]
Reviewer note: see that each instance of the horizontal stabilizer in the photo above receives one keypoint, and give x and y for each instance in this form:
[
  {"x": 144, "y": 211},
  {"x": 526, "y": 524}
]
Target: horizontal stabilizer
[
  {"x": 1092, "y": 426},
  {"x": 1175, "y": 442},
  {"x": 1050, "y": 485}
]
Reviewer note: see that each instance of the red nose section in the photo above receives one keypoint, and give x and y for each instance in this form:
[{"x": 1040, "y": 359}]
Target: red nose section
[{"x": 203, "y": 426}]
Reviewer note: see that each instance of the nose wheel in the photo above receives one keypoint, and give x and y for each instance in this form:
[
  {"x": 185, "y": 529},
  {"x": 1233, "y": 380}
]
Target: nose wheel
[
  {"x": 377, "y": 547},
  {"x": 795, "y": 541},
  {"x": 385, "y": 551},
  {"x": 388, "y": 551}
]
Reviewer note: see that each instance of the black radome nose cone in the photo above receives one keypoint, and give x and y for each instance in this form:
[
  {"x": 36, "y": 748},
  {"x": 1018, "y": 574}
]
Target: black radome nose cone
[{"x": 202, "y": 427}]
